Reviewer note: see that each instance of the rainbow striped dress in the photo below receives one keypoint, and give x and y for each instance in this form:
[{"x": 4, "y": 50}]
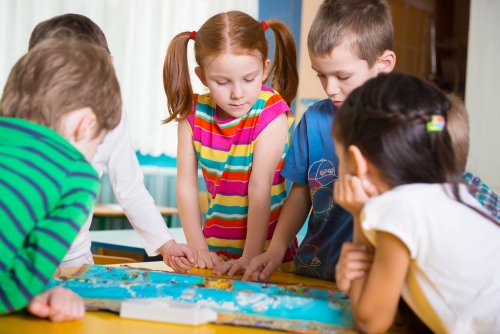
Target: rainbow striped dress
[{"x": 225, "y": 153}]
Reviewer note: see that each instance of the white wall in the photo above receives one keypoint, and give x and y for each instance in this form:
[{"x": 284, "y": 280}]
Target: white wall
[
  {"x": 482, "y": 91},
  {"x": 138, "y": 33}
]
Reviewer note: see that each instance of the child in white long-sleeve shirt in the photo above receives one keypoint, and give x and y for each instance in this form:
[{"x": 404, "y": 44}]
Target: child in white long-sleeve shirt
[{"x": 117, "y": 156}]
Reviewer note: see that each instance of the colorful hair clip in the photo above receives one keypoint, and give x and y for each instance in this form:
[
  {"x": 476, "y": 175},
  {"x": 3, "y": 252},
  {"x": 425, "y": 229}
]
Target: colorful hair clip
[
  {"x": 436, "y": 124},
  {"x": 264, "y": 24},
  {"x": 192, "y": 35}
]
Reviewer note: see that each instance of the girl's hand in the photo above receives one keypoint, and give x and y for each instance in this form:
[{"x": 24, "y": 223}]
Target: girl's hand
[
  {"x": 262, "y": 266},
  {"x": 352, "y": 193},
  {"x": 207, "y": 259},
  {"x": 232, "y": 266},
  {"x": 354, "y": 262},
  {"x": 58, "y": 304},
  {"x": 179, "y": 257}
]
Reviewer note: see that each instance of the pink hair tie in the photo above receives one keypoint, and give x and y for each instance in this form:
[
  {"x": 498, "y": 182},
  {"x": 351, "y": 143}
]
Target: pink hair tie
[
  {"x": 264, "y": 24},
  {"x": 192, "y": 35}
]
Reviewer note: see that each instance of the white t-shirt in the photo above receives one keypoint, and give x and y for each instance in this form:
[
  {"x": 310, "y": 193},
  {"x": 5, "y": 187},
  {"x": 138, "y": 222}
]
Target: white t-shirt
[
  {"x": 453, "y": 283},
  {"x": 117, "y": 156}
]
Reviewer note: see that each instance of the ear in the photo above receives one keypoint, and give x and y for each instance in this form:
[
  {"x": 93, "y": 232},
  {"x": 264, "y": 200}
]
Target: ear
[
  {"x": 199, "y": 73},
  {"x": 85, "y": 125},
  {"x": 385, "y": 63},
  {"x": 265, "y": 70},
  {"x": 360, "y": 163}
]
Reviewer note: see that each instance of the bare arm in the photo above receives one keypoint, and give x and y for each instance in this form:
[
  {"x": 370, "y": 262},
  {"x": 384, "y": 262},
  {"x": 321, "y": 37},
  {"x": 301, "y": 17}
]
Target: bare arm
[
  {"x": 268, "y": 152},
  {"x": 375, "y": 296},
  {"x": 187, "y": 188},
  {"x": 292, "y": 217},
  {"x": 188, "y": 200}
]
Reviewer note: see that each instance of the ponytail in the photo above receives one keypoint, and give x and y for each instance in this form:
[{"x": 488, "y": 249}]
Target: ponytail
[
  {"x": 176, "y": 81},
  {"x": 283, "y": 73}
]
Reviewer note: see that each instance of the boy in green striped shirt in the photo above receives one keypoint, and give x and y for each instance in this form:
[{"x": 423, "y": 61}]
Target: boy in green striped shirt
[{"x": 60, "y": 100}]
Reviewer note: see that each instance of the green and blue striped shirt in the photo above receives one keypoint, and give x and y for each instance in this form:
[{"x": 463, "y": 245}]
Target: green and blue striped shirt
[{"x": 47, "y": 190}]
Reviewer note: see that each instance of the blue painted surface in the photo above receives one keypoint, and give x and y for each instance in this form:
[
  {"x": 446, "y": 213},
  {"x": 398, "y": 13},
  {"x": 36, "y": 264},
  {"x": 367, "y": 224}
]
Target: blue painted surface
[
  {"x": 287, "y": 11},
  {"x": 160, "y": 161},
  {"x": 298, "y": 307}
]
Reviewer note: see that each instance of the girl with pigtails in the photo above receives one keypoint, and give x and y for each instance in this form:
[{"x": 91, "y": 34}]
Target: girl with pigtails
[
  {"x": 418, "y": 232},
  {"x": 237, "y": 133}
]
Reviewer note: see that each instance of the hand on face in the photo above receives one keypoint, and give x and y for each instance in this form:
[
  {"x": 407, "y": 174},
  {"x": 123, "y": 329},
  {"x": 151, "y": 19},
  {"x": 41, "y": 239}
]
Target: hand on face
[{"x": 352, "y": 193}]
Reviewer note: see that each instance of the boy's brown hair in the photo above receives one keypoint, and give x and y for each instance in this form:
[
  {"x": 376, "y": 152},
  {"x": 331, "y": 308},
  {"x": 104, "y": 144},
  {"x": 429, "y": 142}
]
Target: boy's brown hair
[
  {"x": 366, "y": 24},
  {"x": 82, "y": 27},
  {"x": 61, "y": 75},
  {"x": 458, "y": 128}
]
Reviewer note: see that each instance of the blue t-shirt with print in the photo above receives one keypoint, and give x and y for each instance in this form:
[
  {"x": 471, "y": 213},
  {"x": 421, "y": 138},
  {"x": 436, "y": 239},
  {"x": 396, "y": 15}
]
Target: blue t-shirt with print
[{"x": 311, "y": 161}]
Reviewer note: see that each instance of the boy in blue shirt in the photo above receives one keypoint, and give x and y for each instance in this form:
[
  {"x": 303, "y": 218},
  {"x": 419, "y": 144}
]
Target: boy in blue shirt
[{"x": 350, "y": 41}]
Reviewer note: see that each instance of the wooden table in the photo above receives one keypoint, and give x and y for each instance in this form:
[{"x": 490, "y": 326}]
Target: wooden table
[
  {"x": 105, "y": 211},
  {"x": 105, "y": 322}
]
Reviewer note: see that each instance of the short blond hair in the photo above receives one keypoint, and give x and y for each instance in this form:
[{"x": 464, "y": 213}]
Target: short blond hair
[
  {"x": 458, "y": 128},
  {"x": 60, "y": 75},
  {"x": 366, "y": 24}
]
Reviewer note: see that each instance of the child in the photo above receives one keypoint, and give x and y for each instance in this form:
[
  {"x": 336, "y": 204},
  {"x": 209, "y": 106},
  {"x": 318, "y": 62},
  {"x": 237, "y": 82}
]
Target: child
[
  {"x": 458, "y": 126},
  {"x": 60, "y": 100},
  {"x": 238, "y": 133},
  {"x": 392, "y": 134},
  {"x": 117, "y": 156},
  {"x": 349, "y": 42}
]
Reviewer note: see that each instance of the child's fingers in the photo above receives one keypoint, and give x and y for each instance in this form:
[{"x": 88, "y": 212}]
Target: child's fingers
[
  {"x": 266, "y": 271},
  {"x": 235, "y": 269},
  {"x": 38, "y": 307},
  {"x": 370, "y": 188},
  {"x": 252, "y": 268},
  {"x": 189, "y": 253},
  {"x": 216, "y": 258},
  {"x": 185, "y": 262},
  {"x": 201, "y": 262},
  {"x": 249, "y": 272},
  {"x": 222, "y": 268},
  {"x": 65, "y": 305},
  {"x": 181, "y": 264}
]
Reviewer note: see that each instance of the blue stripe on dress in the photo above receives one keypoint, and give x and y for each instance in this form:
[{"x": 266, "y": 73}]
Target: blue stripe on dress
[
  {"x": 57, "y": 146},
  {"x": 13, "y": 218},
  {"x": 46, "y": 158},
  {"x": 33, "y": 270},
  {"x": 21, "y": 286},
  {"x": 76, "y": 205},
  {"x": 53, "y": 235},
  {"x": 7, "y": 243},
  {"x": 47, "y": 255},
  {"x": 21, "y": 197},
  {"x": 65, "y": 220},
  {"x": 36, "y": 186},
  {"x": 6, "y": 301},
  {"x": 32, "y": 165},
  {"x": 77, "y": 190}
]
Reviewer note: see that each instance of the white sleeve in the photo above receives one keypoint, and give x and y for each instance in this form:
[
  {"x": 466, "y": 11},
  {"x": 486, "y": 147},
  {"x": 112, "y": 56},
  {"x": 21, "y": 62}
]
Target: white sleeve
[
  {"x": 392, "y": 215},
  {"x": 127, "y": 181}
]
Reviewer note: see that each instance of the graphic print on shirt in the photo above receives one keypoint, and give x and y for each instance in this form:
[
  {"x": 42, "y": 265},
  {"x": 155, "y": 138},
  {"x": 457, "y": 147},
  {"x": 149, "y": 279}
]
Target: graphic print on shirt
[{"x": 321, "y": 176}]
